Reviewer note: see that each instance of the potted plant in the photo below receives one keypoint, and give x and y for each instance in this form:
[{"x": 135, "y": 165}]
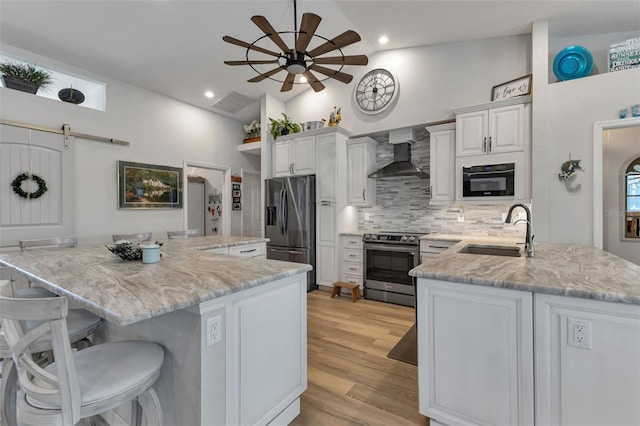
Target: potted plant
[
  {"x": 24, "y": 77},
  {"x": 283, "y": 127}
]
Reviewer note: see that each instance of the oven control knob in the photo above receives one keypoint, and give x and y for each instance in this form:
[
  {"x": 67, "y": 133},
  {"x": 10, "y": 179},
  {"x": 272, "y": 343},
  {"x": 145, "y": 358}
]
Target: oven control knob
[
  {"x": 404, "y": 238},
  {"x": 412, "y": 239}
]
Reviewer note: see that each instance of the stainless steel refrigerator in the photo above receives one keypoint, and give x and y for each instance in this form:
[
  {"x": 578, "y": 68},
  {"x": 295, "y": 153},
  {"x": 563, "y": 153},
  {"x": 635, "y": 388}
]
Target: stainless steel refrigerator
[{"x": 290, "y": 221}]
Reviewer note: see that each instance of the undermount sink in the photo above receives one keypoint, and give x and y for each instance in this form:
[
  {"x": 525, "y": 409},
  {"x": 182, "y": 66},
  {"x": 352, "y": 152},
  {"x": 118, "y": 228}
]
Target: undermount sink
[{"x": 491, "y": 250}]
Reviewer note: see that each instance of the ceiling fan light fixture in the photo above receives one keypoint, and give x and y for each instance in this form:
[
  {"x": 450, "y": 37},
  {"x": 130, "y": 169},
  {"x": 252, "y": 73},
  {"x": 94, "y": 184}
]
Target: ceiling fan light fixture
[
  {"x": 296, "y": 60},
  {"x": 296, "y": 67}
]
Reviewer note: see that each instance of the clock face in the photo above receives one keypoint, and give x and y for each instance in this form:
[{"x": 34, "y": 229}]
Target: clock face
[{"x": 375, "y": 91}]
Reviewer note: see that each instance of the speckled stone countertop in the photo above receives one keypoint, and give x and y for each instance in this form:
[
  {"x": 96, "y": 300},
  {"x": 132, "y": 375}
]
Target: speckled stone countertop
[
  {"x": 126, "y": 292},
  {"x": 561, "y": 269}
]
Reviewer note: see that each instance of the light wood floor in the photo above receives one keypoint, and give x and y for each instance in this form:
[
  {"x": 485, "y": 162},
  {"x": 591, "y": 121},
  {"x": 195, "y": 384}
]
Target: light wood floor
[{"x": 350, "y": 379}]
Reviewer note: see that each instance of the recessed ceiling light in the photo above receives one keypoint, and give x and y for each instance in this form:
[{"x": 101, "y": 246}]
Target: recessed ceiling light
[
  {"x": 208, "y": 94},
  {"x": 383, "y": 39},
  {"x": 302, "y": 79}
]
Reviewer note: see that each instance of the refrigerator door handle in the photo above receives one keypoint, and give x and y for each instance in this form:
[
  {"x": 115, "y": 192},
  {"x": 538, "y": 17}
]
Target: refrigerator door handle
[
  {"x": 286, "y": 210},
  {"x": 286, "y": 251},
  {"x": 282, "y": 211}
]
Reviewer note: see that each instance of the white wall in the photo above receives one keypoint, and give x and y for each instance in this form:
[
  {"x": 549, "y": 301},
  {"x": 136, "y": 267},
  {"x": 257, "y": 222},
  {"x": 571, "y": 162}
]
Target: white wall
[
  {"x": 161, "y": 131},
  {"x": 620, "y": 146},
  {"x": 433, "y": 80},
  {"x": 563, "y": 118}
]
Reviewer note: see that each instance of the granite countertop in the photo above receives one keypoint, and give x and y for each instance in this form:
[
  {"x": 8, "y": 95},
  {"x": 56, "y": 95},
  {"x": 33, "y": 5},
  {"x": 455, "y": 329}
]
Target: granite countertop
[
  {"x": 126, "y": 292},
  {"x": 561, "y": 269}
]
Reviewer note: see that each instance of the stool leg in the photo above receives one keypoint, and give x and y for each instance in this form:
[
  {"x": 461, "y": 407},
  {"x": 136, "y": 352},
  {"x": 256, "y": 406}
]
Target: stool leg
[
  {"x": 335, "y": 291},
  {"x": 354, "y": 295}
]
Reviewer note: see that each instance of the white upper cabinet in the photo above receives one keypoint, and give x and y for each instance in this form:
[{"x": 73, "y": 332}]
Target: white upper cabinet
[
  {"x": 442, "y": 141},
  {"x": 294, "y": 156},
  {"x": 326, "y": 167},
  {"x": 361, "y": 161},
  {"x": 491, "y": 131}
]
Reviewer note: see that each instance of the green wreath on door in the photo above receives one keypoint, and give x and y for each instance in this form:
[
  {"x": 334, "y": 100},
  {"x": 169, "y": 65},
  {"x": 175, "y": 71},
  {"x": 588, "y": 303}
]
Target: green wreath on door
[{"x": 17, "y": 186}]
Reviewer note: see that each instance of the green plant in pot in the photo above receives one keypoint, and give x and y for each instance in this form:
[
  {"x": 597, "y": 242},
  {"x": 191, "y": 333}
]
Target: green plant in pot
[
  {"x": 24, "y": 77},
  {"x": 283, "y": 127}
]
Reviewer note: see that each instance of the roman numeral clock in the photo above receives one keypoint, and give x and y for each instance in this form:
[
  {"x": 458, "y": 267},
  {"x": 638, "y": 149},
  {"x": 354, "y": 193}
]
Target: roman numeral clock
[{"x": 375, "y": 91}]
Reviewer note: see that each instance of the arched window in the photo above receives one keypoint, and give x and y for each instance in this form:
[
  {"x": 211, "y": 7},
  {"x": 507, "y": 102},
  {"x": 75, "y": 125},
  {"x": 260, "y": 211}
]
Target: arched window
[{"x": 632, "y": 200}]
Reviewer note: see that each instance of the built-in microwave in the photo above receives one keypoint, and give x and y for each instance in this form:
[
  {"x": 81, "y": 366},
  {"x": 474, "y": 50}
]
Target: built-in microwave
[{"x": 493, "y": 180}]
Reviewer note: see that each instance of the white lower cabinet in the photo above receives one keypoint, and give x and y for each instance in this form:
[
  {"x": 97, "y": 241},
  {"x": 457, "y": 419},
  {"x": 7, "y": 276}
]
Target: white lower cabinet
[
  {"x": 352, "y": 260},
  {"x": 475, "y": 354},
  {"x": 476, "y": 357},
  {"x": 596, "y": 385}
]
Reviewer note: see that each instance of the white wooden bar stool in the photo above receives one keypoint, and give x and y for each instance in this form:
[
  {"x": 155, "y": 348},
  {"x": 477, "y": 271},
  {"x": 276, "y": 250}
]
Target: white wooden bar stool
[
  {"x": 80, "y": 324},
  {"x": 187, "y": 233},
  {"x": 141, "y": 236},
  {"x": 76, "y": 385}
]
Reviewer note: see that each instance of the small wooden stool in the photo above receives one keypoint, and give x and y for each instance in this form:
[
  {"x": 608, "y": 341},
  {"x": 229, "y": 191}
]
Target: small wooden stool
[{"x": 355, "y": 290}]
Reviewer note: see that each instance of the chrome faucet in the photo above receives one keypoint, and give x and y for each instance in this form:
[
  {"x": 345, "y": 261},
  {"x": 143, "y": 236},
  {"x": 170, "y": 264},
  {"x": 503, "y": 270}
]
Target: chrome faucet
[{"x": 528, "y": 244}]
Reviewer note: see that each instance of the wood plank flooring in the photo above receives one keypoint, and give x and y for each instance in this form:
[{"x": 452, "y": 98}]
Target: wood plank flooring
[{"x": 350, "y": 379}]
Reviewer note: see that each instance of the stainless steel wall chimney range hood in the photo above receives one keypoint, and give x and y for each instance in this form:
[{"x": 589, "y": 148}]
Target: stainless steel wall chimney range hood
[{"x": 401, "y": 165}]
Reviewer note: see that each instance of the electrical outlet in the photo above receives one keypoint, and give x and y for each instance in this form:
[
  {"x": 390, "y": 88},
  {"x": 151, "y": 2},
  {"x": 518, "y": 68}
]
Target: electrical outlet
[
  {"x": 366, "y": 216},
  {"x": 214, "y": 330},
  {"x": 579, "y": 333}
]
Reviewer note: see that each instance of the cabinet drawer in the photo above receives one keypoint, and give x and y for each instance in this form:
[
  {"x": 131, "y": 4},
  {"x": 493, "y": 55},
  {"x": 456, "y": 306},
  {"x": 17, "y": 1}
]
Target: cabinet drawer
[
  {"x": 353, "y": 242},
  {"x": 353, "y": 268},
  {"x": 248, "y": 250},
  {"x": 353, "y": 279},
  {"x": 351, "y": 255},
  {"x": 436, "y": 247}
]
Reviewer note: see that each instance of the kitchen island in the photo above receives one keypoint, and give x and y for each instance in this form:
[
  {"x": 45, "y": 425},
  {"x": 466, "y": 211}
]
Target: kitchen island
[
  {"x": 233, "y": 328},
  {"x": 553, "y": 339}
]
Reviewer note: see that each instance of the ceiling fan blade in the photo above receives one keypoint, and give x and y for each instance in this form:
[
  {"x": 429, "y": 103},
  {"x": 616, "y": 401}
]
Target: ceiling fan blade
[
  {"x": 249, "y": 46},
  {"x": 343, "y": 60},
  {"x": 340, "y": 76},
  {"x": 265, "y": 75},
  {"x": 308, "y": 27},
  {"x": 275, "y": 61},
  {"x": 316, "y": 85},
  {"x": 288, "y": 83},
  {"x": 345, "y": 39},
  {"x": 266, "y": 28}
]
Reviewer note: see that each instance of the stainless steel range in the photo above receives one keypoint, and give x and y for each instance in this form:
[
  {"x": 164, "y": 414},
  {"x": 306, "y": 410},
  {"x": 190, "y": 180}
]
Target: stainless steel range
[{"x": 388, "y": 258}]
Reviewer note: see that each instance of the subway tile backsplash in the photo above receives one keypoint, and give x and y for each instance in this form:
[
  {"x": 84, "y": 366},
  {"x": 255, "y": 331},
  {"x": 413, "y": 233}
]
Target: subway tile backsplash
[{"x": 403, "y": 204}]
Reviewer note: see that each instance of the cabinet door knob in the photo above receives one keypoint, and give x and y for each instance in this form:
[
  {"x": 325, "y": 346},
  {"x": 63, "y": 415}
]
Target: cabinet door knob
[
  {"x": 484, "y": 144},
  {"x": 489, "y": 144},
  {"x": 364, "y": 196}
]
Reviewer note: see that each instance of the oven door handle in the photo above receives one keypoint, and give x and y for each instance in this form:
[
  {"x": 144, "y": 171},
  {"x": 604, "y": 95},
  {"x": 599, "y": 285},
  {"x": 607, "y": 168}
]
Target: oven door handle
[
  {"x": 490, "y": 172},
  {"x": 390, "y": 247}
]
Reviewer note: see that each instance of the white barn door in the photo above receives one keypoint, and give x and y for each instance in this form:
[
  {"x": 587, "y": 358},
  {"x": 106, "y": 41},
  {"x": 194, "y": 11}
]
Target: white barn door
[{"x": 43, "y": 154}]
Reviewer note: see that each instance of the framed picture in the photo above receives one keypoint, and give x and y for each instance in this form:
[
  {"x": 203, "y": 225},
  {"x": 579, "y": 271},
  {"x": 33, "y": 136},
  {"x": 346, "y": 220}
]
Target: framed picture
[
  {"x": 237, "y": 206},
  {"x": 148, "y": 186},
  {"x": 518, "y": 87},
  {"x": 235, "y": 186},
  {"x": 235, "y": 193}
]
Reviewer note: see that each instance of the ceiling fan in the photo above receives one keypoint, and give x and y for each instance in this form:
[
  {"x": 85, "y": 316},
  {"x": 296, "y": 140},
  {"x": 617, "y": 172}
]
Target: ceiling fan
[{"x": 297, "y": 60}]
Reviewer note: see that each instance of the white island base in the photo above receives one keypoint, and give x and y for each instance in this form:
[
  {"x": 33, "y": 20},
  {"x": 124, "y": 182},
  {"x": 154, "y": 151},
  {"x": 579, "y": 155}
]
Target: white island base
[{"x": 253, "y": 376}]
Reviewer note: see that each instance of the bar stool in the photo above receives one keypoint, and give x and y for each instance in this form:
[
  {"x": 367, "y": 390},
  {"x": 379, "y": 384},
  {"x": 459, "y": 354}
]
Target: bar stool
[
  {"x": 80, "y": 324},
  {"x": 76, "y": 385},
  {"x": 141, "y": 236},
  {"x": 187, "y": 233}
]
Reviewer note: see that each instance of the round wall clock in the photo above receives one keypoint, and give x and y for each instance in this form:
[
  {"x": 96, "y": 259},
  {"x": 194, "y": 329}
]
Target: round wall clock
[{"x": 375, "y": 91}]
